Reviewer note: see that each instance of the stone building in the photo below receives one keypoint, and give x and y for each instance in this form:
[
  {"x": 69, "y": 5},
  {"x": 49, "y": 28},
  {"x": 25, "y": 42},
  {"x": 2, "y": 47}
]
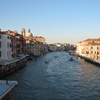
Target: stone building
[
  {"x": 52, "y": 47},
  {"x": 89, "y": 48},
  {"x": 18, "y": 43},
  {"x": 5, "y": 46},
  {"x": 35, "y": 45},
  {"x": 60, "y": 47}
]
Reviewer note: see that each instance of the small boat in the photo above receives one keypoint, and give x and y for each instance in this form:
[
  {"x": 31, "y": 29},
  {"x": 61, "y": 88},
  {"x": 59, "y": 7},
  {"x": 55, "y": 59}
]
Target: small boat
[
  {"x": 46, "y": 61},
  {"x": 71, "y": 53},
  {"x": 56, "y": 56},
  {"x": 71, "y": 59}
]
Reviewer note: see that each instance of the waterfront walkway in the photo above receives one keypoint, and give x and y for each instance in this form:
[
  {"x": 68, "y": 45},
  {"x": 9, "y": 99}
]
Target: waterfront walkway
[{"x": 12, "y": 60}]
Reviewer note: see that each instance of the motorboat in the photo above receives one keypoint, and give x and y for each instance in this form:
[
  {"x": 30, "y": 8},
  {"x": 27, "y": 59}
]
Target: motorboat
[
  {"x": 71, "y": 53},
  {"x": 71, "y": 59},
  {"x": 56, "y": 56},
  {"x": 46, "y": 61}
]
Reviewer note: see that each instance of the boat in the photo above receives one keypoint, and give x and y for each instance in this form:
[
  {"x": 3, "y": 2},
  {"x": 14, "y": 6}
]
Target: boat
[
  {"x": 46, "y": 61},
  {"x": 71, "y": 59},
  {"x": 5, "y": 88},
  {"x": 72, "y": 53},
  {"x": 56, "y": 56}
]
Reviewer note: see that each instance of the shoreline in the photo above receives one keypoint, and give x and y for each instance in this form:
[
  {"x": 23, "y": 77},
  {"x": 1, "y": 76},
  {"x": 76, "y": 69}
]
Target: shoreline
[{"x": 89, "y": 60}]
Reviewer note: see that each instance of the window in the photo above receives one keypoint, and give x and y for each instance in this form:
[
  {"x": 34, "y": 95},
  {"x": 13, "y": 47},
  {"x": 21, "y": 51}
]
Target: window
[
  {"x": 7, "y": 53},
  {"x": 0, "y": 44},
  {"x": 0, "y": 53},
  {"x": 7, "y": 44},
  {"x": 98, "y": 48},
  {"x": 87, "y": 52},
  {"x": 87, "y": 48},
  {"x": 7, "y": 37},
  {"x": 91, "y": 52},
  {"x": 91, "y": 47},
  {"x": 10, "y": 44},
  {"x": 98, "y": 52}
]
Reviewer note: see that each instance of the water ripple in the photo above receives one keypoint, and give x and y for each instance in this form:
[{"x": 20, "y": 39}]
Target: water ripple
[{"x": 59, "y": 79}]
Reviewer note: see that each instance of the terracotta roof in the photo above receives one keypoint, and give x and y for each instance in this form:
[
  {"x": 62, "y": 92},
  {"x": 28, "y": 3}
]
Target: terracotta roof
[
  {"x": 98, "y": 39},
  {"x": 94, "y": 44}
]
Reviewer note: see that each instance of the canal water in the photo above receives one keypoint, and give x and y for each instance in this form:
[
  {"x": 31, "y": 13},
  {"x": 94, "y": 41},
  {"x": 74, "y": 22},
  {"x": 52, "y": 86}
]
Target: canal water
[{"x": 54, "y": 77}]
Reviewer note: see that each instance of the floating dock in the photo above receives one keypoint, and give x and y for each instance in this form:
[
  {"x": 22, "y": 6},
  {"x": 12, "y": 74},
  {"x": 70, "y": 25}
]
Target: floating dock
[{"x": 6, "y": 87}]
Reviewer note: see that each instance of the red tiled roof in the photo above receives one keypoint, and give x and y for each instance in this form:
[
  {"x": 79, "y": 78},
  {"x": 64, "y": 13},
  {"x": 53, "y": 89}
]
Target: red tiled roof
[{"x": 98, "y": 39}]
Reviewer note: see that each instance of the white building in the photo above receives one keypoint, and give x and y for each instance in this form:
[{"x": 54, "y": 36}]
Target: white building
[
  {"x": 60, "y": 47},
  {"x": 5, "y": 46},
  {"x": 80, "y": 47},
  {"x": 52, "y": 47}
]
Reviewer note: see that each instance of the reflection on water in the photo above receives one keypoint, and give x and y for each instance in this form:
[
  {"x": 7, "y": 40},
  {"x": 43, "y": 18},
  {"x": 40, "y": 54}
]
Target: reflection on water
[{"x": 60, "y": 79}]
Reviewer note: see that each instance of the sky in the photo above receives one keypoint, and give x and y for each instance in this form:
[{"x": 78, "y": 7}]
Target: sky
[{"x": 58, "y": 21}]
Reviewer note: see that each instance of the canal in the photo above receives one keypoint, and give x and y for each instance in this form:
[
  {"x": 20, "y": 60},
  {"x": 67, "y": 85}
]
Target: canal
[{"x": 56, "y": 79}]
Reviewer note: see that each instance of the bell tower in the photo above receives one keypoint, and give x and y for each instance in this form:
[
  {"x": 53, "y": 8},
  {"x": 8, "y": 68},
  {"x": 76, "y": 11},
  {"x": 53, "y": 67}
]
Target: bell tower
[
  {"x": 29, "y": 31},
  {"x": 23, "y": 32}
]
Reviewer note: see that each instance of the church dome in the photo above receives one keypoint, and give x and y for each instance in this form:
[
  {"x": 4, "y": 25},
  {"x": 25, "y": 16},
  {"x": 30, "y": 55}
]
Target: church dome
[{"x": 29, "y": 34}]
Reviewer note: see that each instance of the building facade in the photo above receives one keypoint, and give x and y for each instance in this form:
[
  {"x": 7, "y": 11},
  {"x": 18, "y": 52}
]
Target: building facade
[
  {"x": 5, "y": 46},
  {"x": 18, "y": 43},
  {"x": 35, "y": 45},
  {"x": 52, "y": 47},
  {"x": 89, "y": 48}
]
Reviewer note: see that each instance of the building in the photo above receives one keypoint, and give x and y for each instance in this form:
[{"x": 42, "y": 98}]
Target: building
[
  {"x": 5, "y": 46},
  {"x": 52, "y": 47},
  {"x": 89, "y": 48},
  {"x": 35, "y": 45},
  {"x": 18, "y": 43},
  {"x": 61, "y": 47},
  {"x": 21, "y": 44}
]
